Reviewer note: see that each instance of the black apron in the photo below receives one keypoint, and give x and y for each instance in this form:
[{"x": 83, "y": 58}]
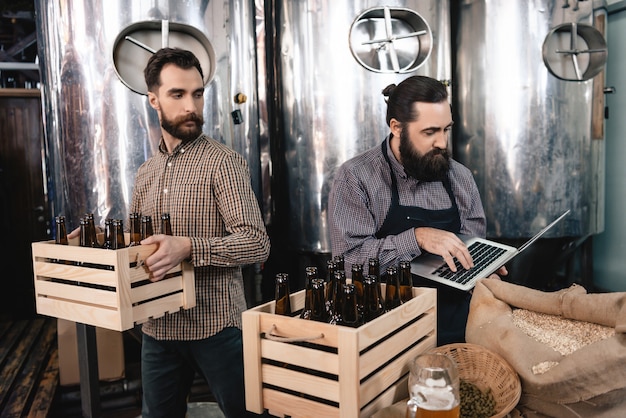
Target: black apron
[{"x": 452, "y": 304}]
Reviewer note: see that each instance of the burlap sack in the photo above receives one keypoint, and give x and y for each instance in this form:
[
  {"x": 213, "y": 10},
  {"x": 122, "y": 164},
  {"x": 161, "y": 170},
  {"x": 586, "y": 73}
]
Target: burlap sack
[{"x": 590, "y": 382}]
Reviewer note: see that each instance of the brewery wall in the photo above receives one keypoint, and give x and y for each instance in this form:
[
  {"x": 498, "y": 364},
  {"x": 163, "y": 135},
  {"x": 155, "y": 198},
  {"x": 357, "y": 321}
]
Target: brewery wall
[
  {"x": 294, "y": 88},
  {"x": 609, "y": 246}
]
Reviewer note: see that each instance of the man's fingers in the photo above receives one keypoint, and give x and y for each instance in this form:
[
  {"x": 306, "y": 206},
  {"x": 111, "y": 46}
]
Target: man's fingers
[
  {"x": 449, "y": 259},
  {"x": 446, "y": 244},
  {"x": 465, "y": 259},
  {"x": 460, "y": 254}
]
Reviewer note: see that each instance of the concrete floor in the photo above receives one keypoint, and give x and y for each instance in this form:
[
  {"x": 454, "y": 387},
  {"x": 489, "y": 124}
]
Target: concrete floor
[{"x": 204, "y": 410}]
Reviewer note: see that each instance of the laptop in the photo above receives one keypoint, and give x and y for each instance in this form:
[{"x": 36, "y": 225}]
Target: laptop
[{"x": 488, "y": 257}]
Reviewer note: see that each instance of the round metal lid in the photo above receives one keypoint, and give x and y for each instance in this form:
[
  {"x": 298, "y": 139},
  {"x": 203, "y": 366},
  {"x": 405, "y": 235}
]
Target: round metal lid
[
  {"x": 390, "y": 39},
  {"x": 574, "y": 52},
  {"x": 136, "y": 43}
]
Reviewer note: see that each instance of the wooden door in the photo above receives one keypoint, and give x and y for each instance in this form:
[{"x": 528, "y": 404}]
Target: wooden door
[{"x": 24, "y": 216}]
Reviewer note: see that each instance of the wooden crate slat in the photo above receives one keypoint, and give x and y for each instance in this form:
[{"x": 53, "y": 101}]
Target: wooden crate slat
[
  {"x": 80, "y": 312},
  {"x": 276, "y": 402},
  {"x": 349, "y": 362},
  {"x": 80, "y": 294},
  {"x": 137, "y": 274},
  {"x": 319, "y": 360},
  {"x": 157, "y": 308},
  {"x": 390, "y": 396},
  {"x": 300, "y": 382},
  {"x": 140, "y": 273},
  {"x": 395, "y": 344},
  {"x": 253, "y": 376},
  {"x": 99, "y": 256},
  {"x": 424, "y": 299},
  {"x": 124, "y": 294},
  {"x": 154, "y": 289},
  {"x": 48, "y": 270},
  {"x": 189, "y": 285},
  {"x": 392, "y": 373}
]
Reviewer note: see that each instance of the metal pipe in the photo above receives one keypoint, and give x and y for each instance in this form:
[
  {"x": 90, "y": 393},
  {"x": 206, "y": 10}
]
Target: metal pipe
[
  {"x": 19, "y": 66},
  {"x": 141, "y": 44}
]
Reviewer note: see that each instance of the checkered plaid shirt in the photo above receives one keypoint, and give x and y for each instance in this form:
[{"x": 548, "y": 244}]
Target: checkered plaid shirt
[{"x": 205, "y": 187}]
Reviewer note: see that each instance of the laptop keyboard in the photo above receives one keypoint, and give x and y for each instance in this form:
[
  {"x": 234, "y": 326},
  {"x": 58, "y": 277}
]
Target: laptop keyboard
[{"x": 481, "y": 253}]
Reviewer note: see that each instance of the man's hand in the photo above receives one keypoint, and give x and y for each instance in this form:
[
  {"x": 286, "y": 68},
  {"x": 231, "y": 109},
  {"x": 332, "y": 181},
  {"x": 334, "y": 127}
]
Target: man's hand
[
  {"x": 446, "y": 244},
  {"x": 74, "y": 234},
  {"x": 502, "y": 271},
  {"x": 171, "y": 251}
]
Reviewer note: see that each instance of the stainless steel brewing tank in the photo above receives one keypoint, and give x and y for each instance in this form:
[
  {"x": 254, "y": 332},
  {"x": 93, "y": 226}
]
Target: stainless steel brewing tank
[
  {"x": 98, "y": 131},
  {"x": 534, "y": 142},
  {"x": 329, "y": 84}
]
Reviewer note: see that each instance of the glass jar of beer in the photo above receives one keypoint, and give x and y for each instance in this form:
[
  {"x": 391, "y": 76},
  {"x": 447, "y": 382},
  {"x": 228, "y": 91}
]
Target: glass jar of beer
[{"x": 434, "y": 386}]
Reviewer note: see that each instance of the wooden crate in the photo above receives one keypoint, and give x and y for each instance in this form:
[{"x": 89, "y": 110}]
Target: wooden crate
[
  {"x": 106, "y": 288},
  {"x": 301, "y": 368}
]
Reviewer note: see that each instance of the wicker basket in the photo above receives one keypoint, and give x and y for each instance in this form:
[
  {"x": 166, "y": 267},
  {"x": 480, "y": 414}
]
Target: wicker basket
[{"x": 486, "y": 370}]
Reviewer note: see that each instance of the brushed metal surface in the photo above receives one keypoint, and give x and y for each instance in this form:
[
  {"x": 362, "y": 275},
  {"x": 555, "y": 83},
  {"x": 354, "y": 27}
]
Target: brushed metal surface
[
  {"x": 331, "y": 106},
  {"x": 98, "y": 130},
  {"x": 526, "y": 134}
]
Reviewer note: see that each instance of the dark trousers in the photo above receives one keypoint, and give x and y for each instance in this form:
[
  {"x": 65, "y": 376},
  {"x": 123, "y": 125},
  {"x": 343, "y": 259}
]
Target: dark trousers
[
  {"x": 168, "y": 369},
  {"x": 452, "y": 311}
]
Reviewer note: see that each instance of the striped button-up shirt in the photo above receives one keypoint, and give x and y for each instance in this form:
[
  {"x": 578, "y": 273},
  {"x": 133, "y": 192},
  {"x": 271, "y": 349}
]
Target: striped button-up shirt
[
  {"x": 361, "y": 197},
  {"x": 205, "y": 187}
]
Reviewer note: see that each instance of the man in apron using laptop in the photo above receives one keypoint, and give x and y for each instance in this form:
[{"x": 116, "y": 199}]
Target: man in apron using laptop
[{"x": 407, "y": 196}]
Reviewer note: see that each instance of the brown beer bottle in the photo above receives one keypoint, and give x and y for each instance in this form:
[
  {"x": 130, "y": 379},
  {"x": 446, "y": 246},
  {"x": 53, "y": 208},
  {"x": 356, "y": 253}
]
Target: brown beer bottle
[
  {"x": 406, "y": 281},
  {"x": 61, "y": 236},
  {"x": 83, "y": 240},
  {"x": 135, "y": 229},
  {"x": 374, "y": 271},
  {"x": 373, "y": 267},
  {"x": 339, "y": 260},
  {"x": 392, "y": 289},
  {"x": 92, "y": 238},
  {"x": 350, "y": 311},
  {"x": 318, "y": 304},
  {"x": 166, "y": 224},
  {"x": 331, "y": 267},
  {"x": 86, "y": 238},
  {"x": 283, "y": 303},
  {"x": 146, "y": 227},
  {"x": 84, "y": 231},
  {"x": 373, "y": 305},
  {"x": 108, "y": 234},
  {"x": 310, "y": 275},
  {"x": 118, "y": 234},
  {"x": 336, "y": 304},
  {"x": 357, "y": 281}
]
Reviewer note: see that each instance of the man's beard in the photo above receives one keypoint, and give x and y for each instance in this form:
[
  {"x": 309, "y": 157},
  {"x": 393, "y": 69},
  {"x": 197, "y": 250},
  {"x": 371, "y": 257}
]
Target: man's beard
[
  {"x": 177, "y": 130},
  {"x": 432, "y": 166}
]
